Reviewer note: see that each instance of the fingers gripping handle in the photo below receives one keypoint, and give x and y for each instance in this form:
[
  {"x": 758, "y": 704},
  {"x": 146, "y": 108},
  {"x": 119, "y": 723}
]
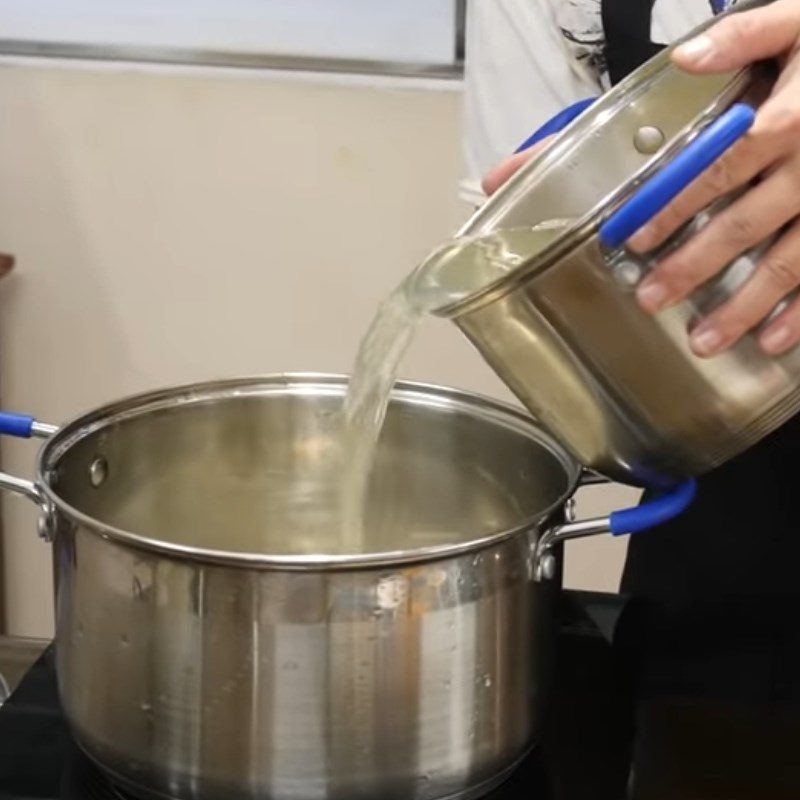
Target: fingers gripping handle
[
  {"x": 662, "y": 189},
  {"x": 683, "y": 170}
]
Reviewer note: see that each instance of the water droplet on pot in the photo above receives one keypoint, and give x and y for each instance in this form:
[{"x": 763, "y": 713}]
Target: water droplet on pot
[
  {"x": 124, "y": 641},
  {"x": 487, "y": 681}
]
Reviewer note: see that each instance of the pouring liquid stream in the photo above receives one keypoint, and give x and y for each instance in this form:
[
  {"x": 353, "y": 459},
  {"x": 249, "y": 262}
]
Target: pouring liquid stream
[{"x": 450, "y": 274}]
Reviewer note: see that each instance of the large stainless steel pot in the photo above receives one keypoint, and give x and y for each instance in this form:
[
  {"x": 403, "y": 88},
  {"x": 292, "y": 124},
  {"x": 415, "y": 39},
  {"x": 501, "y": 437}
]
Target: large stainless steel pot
[
  {"x": 213, "y": 639},
  {"x": 619, "y": 388}
]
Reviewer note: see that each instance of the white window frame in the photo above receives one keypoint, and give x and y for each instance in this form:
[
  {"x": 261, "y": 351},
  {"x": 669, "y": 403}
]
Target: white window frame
[{"x": 411, "y": 37}]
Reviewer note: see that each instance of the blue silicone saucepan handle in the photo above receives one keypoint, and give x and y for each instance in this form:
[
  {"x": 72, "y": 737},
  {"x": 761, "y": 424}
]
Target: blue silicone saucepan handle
[
  {"x": 20, "y": 425},
  {"x": 685, "y": 168},
  {"x": 655, "y": 512},
  {"x": 556, "y": 124}
]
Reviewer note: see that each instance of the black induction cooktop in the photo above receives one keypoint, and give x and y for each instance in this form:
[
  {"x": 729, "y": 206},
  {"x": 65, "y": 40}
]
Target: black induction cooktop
[{"x": 686, "y": 749}]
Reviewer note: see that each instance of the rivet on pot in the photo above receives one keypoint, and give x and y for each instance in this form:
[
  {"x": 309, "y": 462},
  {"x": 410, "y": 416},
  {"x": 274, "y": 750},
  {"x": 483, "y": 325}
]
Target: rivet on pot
[
  {"x": 548, "y": 567},
  {"x": 98, "y": 471},
  {"x": 627, "y": 274},
  {"x": 648, "y": 140}
]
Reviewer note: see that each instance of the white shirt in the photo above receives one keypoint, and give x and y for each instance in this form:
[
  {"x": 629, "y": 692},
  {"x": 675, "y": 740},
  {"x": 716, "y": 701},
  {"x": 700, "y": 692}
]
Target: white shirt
[{"x": 526, "y": 60}]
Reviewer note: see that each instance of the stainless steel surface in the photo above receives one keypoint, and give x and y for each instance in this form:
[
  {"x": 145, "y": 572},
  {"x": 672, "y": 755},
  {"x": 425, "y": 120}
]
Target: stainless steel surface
[
  {"x": 619, "y": 388},
  {"x": 285, "y": 478},
  {"x": 213, "y": 640},
  {"x": 41, "y": 430},
  {"x": 545, "y": 564},
  {"x": 649, "y": 140},
  {"x": 17, "y": 656},
  {"x": 20, "y": 486}
]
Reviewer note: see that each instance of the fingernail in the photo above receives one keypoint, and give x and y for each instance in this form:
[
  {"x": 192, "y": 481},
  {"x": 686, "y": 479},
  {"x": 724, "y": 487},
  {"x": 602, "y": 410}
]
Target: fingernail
[
  {"x": 776, "y": 339},
  {"x": 652, "y": 296},
  {"x": 642, "y": 240},
  {"x": 707, "y": 341},
  {"x": 695, "y": 49}
]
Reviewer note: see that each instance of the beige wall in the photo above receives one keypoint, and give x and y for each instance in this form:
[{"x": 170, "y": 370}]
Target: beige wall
[{"x": 173, "y": 226}]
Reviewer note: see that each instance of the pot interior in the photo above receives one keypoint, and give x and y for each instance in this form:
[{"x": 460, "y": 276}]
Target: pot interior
[{"x": 253, "y": 467}]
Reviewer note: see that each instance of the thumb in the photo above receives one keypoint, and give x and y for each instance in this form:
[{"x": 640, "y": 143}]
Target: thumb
[
  {"x": 504, "y": 171},
  {"x": 742, "y": 38},
  {"x": 508, "y": 168}
]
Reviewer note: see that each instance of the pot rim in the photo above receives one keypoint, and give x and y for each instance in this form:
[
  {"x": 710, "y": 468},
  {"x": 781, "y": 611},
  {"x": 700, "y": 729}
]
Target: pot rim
[
  {"x": 297, "y": 383},
  {"x": 584, "y": 126}
]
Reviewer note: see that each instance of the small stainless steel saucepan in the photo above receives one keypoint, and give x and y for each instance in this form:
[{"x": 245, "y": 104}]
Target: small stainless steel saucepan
[
  {"x": 214, "y": 640},
  {"x": 620, "y": 388}
]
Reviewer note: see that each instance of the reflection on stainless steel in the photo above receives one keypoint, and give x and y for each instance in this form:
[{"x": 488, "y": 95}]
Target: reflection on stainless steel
[
  {"x": 223, "y": 648},
  {"x": 620, "y": 389},
  {"x": 41, "y": 430}
]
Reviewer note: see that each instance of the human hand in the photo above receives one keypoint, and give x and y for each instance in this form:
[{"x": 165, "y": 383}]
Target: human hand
[
  {"x": 770, "y": 150},
  {"x": 508, "y": 168}
]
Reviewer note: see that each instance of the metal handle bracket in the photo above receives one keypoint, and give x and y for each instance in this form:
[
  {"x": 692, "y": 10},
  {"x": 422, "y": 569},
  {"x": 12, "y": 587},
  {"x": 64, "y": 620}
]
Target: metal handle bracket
[{"x": 648, "y": 515}]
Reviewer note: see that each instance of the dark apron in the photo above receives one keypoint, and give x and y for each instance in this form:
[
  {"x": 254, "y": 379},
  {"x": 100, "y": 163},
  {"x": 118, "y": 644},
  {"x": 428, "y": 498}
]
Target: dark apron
[{"x": 710, "y": 641}]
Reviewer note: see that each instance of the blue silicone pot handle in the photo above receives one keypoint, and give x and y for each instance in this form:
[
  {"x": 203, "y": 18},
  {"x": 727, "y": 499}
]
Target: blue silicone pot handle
[
  {"x": 685, "y": 168},
  {"x": 655, "y": 512},
  {"x": 556, "y": 124},
  {"x": 19, "y": 425}
]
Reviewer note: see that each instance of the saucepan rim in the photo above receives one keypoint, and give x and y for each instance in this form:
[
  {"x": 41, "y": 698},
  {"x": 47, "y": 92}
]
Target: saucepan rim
[{"x": 489, "y": 409}]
